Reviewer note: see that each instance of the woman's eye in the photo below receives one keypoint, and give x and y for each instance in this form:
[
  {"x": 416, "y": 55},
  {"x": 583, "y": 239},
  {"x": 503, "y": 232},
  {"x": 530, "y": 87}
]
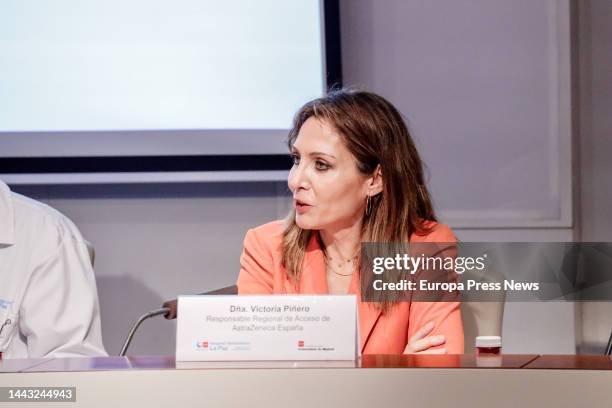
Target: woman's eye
[
  {"x": 319, "y": 165},
  {"x": 295, "y": 159}
]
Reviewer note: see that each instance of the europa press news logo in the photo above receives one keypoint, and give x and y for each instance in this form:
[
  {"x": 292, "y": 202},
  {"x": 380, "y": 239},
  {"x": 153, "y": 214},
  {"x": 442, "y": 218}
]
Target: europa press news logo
[
  {"x": 202, "y": 344},
  {"x": 300, "y": 343}
]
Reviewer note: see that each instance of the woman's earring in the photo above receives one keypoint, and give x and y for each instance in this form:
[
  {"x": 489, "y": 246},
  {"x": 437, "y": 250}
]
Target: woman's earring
[{"x": 368, "y": 205}]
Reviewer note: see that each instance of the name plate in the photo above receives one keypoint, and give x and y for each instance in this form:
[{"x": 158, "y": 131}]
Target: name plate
[{"x": 256, "y": 328}]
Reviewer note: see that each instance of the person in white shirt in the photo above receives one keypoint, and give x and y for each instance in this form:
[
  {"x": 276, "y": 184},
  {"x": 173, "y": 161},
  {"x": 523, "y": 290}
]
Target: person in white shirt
[{"x": 48, "y": 299}]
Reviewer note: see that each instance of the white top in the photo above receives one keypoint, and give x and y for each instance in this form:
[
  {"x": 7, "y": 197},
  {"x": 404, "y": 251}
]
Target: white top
[{"x": 48, "y": 299}]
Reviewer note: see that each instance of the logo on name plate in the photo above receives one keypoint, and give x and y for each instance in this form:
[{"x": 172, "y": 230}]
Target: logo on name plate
[
  {"x": 302, "y": 346},
  {"x": 202, "y": 344}
]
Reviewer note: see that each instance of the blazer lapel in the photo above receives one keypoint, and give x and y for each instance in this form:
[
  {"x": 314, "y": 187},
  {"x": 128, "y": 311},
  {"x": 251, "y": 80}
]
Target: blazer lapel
[
  {"x": 368, "y": 312},
  {"x": 314, "y": 281}
]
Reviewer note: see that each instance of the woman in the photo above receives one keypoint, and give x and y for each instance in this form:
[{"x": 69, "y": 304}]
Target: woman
[{"x": 356, "y": 177}]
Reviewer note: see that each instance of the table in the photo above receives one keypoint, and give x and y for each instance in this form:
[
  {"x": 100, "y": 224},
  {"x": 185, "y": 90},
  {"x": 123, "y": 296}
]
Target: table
[{"x": 374, "y": 381}]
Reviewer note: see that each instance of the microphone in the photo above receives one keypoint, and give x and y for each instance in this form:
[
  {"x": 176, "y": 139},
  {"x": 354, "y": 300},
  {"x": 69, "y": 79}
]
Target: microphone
[
  {"x": 171, "y": 305},
  {"x": 169, "y": 310}
]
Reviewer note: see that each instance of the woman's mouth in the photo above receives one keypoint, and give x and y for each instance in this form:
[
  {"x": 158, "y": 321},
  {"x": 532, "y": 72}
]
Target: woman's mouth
[{"x": 301, "y": 207}]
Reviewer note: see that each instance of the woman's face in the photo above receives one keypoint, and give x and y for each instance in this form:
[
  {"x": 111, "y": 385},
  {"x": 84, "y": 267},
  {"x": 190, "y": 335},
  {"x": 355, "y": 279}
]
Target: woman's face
[{"x": 328, "y": 190}]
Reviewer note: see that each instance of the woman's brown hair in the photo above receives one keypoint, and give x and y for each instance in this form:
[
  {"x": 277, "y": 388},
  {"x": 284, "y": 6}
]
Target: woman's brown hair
[{"x": 375, "y": 133}]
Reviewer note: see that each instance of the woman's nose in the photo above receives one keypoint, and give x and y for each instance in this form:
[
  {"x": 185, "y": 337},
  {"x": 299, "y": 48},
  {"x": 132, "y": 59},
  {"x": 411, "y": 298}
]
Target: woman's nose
[{"x": 297, "y": 178}]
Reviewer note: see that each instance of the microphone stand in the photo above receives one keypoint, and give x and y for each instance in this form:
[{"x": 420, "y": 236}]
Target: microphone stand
[{"x": 142, "y": 318}]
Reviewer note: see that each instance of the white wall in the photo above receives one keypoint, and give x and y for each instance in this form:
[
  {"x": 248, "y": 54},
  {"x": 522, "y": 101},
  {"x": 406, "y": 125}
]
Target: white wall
[
  {"x": 595, "y": 119},
  {"x": 157, "y": 241},
  {"x": 477, "y": 79}
]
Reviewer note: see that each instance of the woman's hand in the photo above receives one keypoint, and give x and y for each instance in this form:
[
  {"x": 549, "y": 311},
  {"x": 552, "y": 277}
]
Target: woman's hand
[{"x": 421, "y": 343}]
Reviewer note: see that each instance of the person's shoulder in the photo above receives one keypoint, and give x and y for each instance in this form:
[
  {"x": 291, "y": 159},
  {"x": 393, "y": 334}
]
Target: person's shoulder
[
  {"x": 432, "y": 231},
  {"x": 34, "y": 217},
  {"x": 268, "y": 235},
  {"x": 272, "y": 228}
]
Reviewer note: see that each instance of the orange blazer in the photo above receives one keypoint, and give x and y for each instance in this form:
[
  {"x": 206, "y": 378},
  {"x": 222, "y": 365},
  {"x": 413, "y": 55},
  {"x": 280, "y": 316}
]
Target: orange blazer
[{"x": 261, "y": 273}]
